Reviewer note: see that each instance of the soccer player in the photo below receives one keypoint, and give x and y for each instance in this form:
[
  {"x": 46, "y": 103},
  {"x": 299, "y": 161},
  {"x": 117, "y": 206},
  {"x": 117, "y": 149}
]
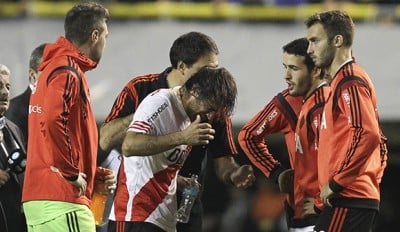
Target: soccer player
[
  {"x": 315, "y": 90},
  {"x": 188, "y": 53},
  {"x": 157, "y": 143},
  {"x": 352, "y": 154},
  {"x": 281, "y": 116},
  {"x": 62, "y": 131}
]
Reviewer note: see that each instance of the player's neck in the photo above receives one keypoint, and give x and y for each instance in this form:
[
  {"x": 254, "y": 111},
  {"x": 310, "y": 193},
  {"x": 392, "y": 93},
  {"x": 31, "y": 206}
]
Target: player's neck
[
  {"x": 342, "y": 57},
  {"x": 175, "y": 78}
]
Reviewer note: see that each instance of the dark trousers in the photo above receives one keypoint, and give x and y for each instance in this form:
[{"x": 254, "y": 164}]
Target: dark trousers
[
  {"x": 132, "y": 227},
  {"x": 335, "y": 219}
]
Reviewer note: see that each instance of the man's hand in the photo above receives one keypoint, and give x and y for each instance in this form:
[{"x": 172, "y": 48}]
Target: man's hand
[
  {"x": 285, "y": 181},
  {"x": 198, "y": 133},
  {"x": 4, "y": 177},
  {"x": 110, "y": 183},
  {"x": 308, "y": 207},
  {"x": 81, "y": 183},
  {"x": 326, "y": 194},
  {"x": 182, "y": 182},
  {"x": 243, "y": 176},
  {"x": 105, "y": 181}
]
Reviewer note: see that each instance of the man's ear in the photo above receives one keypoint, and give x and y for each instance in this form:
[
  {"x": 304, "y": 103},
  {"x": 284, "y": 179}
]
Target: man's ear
[
  {"x": 94, "y": 36},
  {"x": 338, "y": 40},
  {"x": 181, "y": 67},
  {"x": 33, "y": 76}
]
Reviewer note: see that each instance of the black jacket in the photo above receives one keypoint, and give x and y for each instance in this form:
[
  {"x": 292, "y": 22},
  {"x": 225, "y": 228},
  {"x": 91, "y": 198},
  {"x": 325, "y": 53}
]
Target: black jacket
[
  {"x": 11, "y": 217},
  {"x": 18, "y": 111}
]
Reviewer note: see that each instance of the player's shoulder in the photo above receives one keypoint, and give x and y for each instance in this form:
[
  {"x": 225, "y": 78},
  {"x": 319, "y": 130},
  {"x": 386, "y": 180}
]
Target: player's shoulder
[
  {"x": 284, "y": 98},
  {"x": 144, "y": 79}
]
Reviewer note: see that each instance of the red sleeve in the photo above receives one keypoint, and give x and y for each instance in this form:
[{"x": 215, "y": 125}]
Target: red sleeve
[
  {"x": 125, "y": 104},
  {"x": 252, "y": 136},
  {"x": 65, "y": 91},
  {"x": 355, "y": 102}
]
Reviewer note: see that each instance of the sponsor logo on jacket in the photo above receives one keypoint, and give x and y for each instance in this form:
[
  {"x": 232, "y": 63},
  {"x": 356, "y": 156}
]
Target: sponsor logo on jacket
[{"x": 35, "y": 109}]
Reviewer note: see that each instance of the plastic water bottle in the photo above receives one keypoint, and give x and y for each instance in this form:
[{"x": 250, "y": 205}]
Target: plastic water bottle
[
  {"x": 99, "y": 197},
  {"x": 189, "y": 195}
]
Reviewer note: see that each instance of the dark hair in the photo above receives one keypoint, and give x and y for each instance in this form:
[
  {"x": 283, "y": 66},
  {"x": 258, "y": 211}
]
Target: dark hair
[
  {"x": 36, "y": 57},
  {"x": 334, "y": 22},
  {"x": 190, "y": 47},
  {"x": 82, "y": 19},
  {"x": 215, "y": 86},
  {"x": 299, "y": 47}
]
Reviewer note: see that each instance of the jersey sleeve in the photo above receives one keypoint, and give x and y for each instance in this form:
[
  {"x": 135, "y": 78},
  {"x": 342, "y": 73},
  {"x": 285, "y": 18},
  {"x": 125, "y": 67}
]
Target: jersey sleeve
[
  {"x": 356, "y": 104},
  {"x": 251, "y": 138},
  {"x": 65, "y": 89},
  {"x": 143, "y": 119},
  {"x": 125, "y": 104}
]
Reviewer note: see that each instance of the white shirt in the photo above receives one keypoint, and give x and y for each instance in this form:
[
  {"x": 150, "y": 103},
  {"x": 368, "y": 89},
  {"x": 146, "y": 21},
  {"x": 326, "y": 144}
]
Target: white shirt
[{"x": 147, "y": 184}]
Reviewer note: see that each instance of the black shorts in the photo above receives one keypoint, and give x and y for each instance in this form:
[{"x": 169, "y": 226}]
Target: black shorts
[{"x": 343, "y": 219}]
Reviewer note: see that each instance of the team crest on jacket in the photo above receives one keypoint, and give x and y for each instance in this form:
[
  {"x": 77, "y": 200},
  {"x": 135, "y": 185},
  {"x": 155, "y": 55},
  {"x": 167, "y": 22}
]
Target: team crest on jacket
[{"x": 346, "y": 98}]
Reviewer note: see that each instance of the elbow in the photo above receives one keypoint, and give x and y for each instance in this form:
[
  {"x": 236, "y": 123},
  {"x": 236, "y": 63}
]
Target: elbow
[
  {"x": 130, "y": 146},
  {"x": 373, "y": 136},
  {"x": 125, "y": 148},
  {"x": 103, "y": 140},
  {"x": 241, "y": 136},
  {"x": 377, "y": 138}
]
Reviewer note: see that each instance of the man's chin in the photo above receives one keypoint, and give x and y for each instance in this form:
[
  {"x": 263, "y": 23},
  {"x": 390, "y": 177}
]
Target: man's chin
[{"x": 3, "y": 109}]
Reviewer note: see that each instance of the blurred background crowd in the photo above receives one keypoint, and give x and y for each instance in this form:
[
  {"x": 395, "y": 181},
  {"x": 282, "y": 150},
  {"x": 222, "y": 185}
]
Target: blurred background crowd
[
  {"x": 279, "y": 2},
  {"x": 382, "y": 10}
]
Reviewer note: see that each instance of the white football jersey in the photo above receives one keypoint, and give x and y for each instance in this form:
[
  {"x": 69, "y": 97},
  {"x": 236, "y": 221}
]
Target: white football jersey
[{"x": 147, "y": 184}]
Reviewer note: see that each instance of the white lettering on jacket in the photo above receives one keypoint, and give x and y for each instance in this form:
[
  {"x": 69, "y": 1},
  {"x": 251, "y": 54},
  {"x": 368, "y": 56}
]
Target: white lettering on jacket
[
  {"x": 299, "y": 148},
  {"x": 35, "y": 109}
]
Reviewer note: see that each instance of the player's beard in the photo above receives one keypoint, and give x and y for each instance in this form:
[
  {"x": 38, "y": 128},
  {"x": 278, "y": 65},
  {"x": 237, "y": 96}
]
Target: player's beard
[{"x": 326, "y": 57}]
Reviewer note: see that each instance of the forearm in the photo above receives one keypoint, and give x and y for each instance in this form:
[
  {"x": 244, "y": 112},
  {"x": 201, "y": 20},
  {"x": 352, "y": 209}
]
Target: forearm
[
  {"x": 65, "y": 151},
  {"x": 231, "y": 173},
  {"x": 255, "y": 148},
  {"x": 112, "y": 133},
  {"x": 137, "y": 144},
  {"x": 224, "y": 167},
  {"x": 363, "y": 134}
]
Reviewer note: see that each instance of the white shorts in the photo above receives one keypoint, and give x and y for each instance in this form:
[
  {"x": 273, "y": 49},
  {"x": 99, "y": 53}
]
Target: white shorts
[{"x": 302, "y": 229}]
